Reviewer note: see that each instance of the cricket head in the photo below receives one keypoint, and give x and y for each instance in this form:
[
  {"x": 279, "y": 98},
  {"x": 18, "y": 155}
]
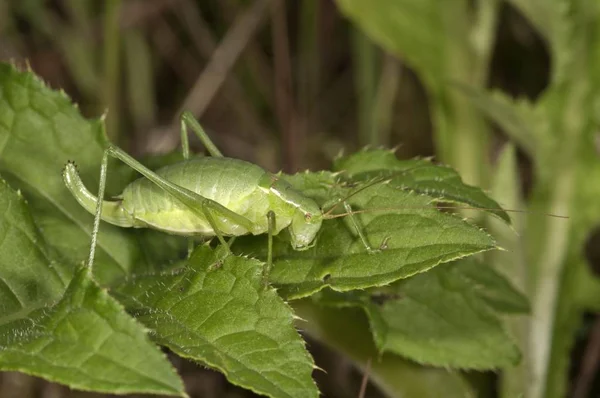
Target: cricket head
[
  {"x": 307, "y": 217},
  {"x": 305, "y": 225}
]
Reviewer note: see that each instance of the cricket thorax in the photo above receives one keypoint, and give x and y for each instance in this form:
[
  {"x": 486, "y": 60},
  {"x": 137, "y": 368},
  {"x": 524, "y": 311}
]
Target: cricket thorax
[{"x": 307, "y": 217}]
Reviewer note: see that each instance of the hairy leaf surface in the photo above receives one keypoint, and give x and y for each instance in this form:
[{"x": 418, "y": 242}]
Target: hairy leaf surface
[
  {"x": 491, "y": 286},
  {"x": 29, "y": 278},
  {"x": 440, "y": 318},
  {"x": 395, "y": 376},
  {"x": 220, "y": 313},
  {"x": 40, "y": 129},
  {"x": 87, "y": 342}
]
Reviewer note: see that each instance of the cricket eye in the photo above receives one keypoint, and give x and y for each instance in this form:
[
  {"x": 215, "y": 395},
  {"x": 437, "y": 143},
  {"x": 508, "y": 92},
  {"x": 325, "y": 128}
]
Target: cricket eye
[{"x": 307, "y": 217}]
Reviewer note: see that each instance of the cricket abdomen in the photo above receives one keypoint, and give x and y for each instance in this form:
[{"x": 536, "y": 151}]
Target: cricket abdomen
[{"x": 232, "y": 183}]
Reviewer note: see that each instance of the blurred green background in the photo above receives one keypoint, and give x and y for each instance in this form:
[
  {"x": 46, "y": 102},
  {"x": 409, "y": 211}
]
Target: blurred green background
[{"x": 290, "y": 84}]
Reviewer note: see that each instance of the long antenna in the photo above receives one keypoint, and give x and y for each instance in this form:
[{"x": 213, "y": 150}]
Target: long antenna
[
  {"x": 328, "y": 217},
  {"x": 370, "y": 184}
]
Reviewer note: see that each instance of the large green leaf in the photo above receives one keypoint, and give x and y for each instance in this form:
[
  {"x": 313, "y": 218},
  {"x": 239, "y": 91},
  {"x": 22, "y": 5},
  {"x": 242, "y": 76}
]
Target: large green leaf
[
  {"x": 40, "y": 129},
  {"x": 416, "y": 237},
  {"x": 87, "y": 342},
  {"x": 440, "y": 318},
  {"x": 29, "y": 278},
  {"x": 220, "y": 313},
  {"x": 347, "y": 330},
  {"x": 487, "y": 283}
]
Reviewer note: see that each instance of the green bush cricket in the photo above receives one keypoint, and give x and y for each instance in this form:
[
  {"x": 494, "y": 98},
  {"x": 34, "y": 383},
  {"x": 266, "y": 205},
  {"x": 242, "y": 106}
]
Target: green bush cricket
[{"x": 208, "y": 196}]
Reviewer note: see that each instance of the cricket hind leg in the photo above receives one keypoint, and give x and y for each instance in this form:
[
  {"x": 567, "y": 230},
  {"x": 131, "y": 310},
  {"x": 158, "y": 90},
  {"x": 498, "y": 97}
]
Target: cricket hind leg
[
  {"x": 98, "y": 214},
  {"x": 187, "y": 119},
  {"x": 185, "y": 151}
]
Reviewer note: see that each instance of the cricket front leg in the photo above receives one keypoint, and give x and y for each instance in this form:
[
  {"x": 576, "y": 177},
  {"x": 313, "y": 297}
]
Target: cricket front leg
[
  {"x": 109, "y": 211},
  {"x": 98, "y": 215},
  {"x": 360, "y": 232}
]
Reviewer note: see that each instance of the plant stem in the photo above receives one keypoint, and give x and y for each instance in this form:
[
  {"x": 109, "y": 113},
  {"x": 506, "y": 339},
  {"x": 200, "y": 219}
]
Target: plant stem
[
  {"x": 112, "y": 49},
  {"x": 385, "y": 99},
  {"x": 365, "y": 56}
]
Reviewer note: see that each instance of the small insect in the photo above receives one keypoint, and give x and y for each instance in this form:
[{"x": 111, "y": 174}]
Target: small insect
[{"x": 214, "y": 196}]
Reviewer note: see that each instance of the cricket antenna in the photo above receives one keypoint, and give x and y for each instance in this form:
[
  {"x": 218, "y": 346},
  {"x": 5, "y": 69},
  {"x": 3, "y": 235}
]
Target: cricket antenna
[
  {"x": 330, "y": 217},
  {"x": 384, "y": 179},
  {"x": 376, "y": 181}
]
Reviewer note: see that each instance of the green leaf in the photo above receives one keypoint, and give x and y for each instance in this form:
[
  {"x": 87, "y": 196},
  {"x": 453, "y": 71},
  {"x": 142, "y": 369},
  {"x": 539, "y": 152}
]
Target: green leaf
[
  {"x": 367, "y": 160},
  {"x": 40, "y": 129},
  {"x": 87, "y": 342},
  {"x": 417, "y": 238},
  {"x": 219, "y": 312},
  {"x": 441, "y": 183},
  {"x": 491, "y": 287},
  {"x": 395, "y": 376},
  {"x": 438, "y": 318},
  {"x": 321, "y": 186},
  {"x": 29, "y": 278}
]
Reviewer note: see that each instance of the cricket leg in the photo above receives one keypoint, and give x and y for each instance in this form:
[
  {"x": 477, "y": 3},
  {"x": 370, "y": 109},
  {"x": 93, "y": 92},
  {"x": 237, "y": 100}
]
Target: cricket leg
[
  {"x": 98, "y": 213},
  {"x": 360, "y": 232},
  {"x": 271, "y": 230},
  {"x": 185, "y": 150},
  {"x": 187, "y": 119},
  {"x": 208, "y": 209}
]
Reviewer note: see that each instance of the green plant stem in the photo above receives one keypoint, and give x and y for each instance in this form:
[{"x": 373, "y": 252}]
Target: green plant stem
[
  {"x": 112, "y": 49},
  {"x": 548, "y": 260},
  {"x": 483, "y": 36},
  {"x": 385, "y": 99},
  {"x": 308, "y": 59},
  {"x": 506, "y": 190},
  {"x": 365, "y": 56},
  {"x": 140, "y": 79},
  {"x": 461, "y": 131}
]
